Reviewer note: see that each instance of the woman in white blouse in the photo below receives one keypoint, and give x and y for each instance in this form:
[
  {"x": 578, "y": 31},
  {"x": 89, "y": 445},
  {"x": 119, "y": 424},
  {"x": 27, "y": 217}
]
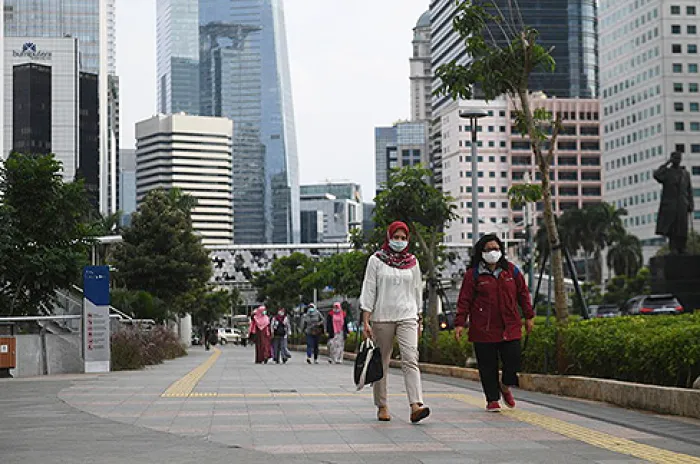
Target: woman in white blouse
[{"x": 391, "y": 306}]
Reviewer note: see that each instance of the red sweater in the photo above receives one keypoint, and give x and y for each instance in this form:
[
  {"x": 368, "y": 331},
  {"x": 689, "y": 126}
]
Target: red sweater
[{"x": 493, "y": 313}]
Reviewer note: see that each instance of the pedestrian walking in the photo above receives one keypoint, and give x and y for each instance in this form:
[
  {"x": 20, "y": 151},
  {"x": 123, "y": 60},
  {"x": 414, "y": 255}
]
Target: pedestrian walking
[
  {"x": 260, "y": 330},
  {"x": 337, "y": 330},
  {"x": 492, "y": 290},
  {"x": 312, "y": 326},
  {"x": 391, "y": 306},
  {"x": 206, "y": 334},
  {"x": 281, "y": 328}
]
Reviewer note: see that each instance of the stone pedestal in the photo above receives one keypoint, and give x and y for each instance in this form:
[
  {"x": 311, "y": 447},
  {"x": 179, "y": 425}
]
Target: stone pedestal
[{"x": 679, "y": 275}]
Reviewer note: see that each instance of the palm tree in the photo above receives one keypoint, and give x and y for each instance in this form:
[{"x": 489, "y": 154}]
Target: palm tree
[
  {"x": 625, "y": 255},
  {"x": 604, "y": 226}
]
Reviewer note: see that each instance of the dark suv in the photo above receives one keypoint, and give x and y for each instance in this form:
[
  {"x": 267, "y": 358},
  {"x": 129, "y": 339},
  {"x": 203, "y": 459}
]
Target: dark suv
[{"x": 652, "y": 304}]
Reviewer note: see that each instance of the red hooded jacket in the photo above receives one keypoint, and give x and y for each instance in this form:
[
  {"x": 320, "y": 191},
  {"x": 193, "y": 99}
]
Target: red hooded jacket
[{"x": 493, "y": 312}]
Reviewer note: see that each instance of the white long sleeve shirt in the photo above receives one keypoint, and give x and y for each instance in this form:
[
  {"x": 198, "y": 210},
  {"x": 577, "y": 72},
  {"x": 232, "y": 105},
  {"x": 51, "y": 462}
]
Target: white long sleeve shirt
[{"x": 391, "y": 294}]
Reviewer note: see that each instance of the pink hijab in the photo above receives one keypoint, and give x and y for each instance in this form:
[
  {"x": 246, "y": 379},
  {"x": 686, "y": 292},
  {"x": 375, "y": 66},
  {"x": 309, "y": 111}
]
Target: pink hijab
[
  {"x": 261, "y": 320},
  {"x": 338, "y": 318}
]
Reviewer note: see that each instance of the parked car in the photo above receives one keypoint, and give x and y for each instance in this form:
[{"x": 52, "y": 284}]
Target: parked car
[
  {"x": 607, "y": 310},
  {"x": 652, "y": 305},
  {"x": 229, "y": 335}
]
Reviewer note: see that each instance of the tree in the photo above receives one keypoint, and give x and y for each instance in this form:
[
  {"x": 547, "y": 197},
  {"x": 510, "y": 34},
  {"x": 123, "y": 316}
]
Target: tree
[
  {"x": 139, "y": 304},
  {"x": 622, "y": 288},
  {"x": 343, "y": 272},
  {"x": 43, "y": 237},
  {"x": 409, "y": 197},
  {"x": 160, "y": 252},
  {"x": 625, "y": 255},
  {"x": 504, "y": 70},
  {"x": 213, "y": 305},
  {"x": 284, "y": 283}
]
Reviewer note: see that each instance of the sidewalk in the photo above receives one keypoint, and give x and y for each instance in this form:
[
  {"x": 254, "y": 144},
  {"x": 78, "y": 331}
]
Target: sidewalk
[{"x": 298, "y": 412}]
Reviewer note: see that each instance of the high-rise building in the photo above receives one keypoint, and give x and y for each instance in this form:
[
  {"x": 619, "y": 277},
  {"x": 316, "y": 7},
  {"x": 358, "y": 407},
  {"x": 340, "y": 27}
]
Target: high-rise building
[
  {"x": 567, "y": 27},
  {"x": 41, "y": 111},
  {"x": 92, "y": 23},
  {"x": 193, "y": 154},
  {"x": 243, "y": 75},
  {"x": 650, "y": 104},
  {"x": 403, "y": 144},
  {"x": 330, "y": 211},
  {"x": 177, "y": 36},
  {"x": 127, "y": 184},
  {"x": 421, "y": 72},
  {"x": 505, "y": 158}
]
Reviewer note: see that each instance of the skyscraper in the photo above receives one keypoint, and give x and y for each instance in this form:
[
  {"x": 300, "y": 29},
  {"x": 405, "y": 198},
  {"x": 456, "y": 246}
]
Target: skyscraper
[
  {"x": 403, "y": 144},
  {"x": 421, "y": 72},
  {"x": 650, "y": 105},
  {"x": 92, "y": 22},
  {"x": 568, "y": 27},
  {"x": 244, "y": 76}
]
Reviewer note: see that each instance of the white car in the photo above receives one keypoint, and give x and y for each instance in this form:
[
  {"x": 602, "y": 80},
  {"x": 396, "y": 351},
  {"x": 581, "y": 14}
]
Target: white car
[{"x": 229, "y": 335}]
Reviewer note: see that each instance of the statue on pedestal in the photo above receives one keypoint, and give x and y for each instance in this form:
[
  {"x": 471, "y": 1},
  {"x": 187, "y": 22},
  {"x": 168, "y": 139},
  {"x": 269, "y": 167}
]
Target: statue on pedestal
[{"x": 676, "y": 203}]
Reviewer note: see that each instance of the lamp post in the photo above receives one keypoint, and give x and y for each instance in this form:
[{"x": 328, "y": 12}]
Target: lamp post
[{"x": 473, "y": 115}]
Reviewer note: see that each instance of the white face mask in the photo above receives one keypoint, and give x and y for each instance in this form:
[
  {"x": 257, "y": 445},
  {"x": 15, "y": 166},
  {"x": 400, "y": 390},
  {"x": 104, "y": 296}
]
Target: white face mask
[
  {"x": 492, "y": 257},
  {"x": 398, "y": 245},
  {"x": 281, "y": 313}
]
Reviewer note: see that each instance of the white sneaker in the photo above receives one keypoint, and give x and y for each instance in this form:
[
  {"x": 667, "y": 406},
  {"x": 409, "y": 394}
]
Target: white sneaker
[{"x": 315, "y": 361}]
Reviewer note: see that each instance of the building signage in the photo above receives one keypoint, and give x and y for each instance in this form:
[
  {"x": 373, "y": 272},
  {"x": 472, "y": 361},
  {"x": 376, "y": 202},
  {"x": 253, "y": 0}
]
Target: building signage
[
  {"x": 96, "y": 330},
  {"x": 30, "y": 50}
]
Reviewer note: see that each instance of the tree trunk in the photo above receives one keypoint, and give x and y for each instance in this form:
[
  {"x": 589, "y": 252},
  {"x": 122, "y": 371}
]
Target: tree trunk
[{"x": 560, "y": 303}]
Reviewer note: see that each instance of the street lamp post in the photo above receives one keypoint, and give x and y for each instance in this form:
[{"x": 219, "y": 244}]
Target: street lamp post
[{"x": 473, "y": 115}]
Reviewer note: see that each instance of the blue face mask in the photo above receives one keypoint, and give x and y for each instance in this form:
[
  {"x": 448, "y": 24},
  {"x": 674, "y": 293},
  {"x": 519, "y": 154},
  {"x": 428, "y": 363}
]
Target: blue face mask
[
  {"x": 398, "y": 245},
  {"x": 311, "y": 310}
]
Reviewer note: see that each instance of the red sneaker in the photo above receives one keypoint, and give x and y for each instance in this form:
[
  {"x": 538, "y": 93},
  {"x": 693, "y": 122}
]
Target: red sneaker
[
  {"x": 493, "y": 406},
  {"x": 509, "y": 399}
]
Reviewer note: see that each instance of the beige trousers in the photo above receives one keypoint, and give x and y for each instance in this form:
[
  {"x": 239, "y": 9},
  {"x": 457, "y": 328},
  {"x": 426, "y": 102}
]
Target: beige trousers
[{"x": 406, "y": 333}]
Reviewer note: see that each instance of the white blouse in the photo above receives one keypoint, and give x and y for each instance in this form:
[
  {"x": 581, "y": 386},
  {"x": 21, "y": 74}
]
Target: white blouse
[{"x": 391, "y": 294}]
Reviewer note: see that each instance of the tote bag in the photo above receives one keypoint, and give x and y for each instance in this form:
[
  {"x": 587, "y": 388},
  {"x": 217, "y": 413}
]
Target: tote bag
[{"x": 368, "y": 365}]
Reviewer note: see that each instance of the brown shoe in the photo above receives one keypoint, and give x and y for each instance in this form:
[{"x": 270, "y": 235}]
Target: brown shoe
[
  {"x": 383, "y": 414},
  {"x": 419, "y": 414}
]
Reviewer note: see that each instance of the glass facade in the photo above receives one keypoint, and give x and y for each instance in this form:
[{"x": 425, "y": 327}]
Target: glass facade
[
  {"x": 569, "y": 26},
  {"x": 244, "y": 76},
  {"x": 31, "y": 108},
  {"x": 177, "y": 35},
  {"x": 405, "y": 144}
]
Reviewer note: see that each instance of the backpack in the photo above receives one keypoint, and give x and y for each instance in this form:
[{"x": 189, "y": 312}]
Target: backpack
[{"x": 280, "y": 329}]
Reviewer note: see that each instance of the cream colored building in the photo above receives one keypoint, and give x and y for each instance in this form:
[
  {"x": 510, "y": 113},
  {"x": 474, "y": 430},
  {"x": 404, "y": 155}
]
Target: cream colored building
[{"x": 194, "y": 154}]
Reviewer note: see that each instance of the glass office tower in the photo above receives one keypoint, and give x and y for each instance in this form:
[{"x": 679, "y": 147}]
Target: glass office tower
[
  {"x": 244, "y": 76},
  {"x": 93, "y": 23}
]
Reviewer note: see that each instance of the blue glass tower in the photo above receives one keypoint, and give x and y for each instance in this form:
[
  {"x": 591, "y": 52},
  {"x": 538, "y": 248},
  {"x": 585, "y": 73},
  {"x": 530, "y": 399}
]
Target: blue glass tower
[{"x": 244, "y": 76}]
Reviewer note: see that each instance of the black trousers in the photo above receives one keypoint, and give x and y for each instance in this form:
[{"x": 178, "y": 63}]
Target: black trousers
[{"x": 487, "y": 357}]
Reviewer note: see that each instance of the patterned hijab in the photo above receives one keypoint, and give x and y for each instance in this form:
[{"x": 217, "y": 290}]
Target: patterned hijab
[{"x": 398, "y": 260}]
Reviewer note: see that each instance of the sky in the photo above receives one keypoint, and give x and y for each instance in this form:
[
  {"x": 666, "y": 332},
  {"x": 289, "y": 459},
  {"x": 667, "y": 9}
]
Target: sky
[{"x": 349, "y": 70}]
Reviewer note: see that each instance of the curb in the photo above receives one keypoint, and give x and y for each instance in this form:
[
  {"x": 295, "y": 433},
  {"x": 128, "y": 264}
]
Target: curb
[{"x": 654, "y": 398}]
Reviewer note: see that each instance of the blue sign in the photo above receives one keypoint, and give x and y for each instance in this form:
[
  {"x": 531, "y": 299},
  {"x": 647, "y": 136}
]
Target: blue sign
[{"x": 96, "y": 284}]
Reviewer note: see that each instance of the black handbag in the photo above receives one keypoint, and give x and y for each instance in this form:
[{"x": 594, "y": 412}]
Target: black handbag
[{"x": 368, "y": 365}]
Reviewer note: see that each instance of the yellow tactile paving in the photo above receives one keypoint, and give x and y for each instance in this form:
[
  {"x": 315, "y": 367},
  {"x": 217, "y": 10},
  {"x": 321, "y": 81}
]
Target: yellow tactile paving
[
  {"x": 590, "y": 436},
  {"x": 183, "y": 389},
  {"x": 184, "y": 386}
]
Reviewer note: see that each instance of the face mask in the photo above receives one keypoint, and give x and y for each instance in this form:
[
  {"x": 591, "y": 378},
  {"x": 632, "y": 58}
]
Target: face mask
[
  {"x": 398, "y": 245},
  {"x": 492, "y": 257},
  {"x": 280, "y": 313},
  {"x": 312, "y": 310},
  {"x": 264, "y": 313}
]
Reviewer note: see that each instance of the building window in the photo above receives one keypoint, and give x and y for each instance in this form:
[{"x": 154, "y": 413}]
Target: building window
[
  {"x": 693, "y": 87},
  {"x": 678, "y": 87},
  {"x": 693, "y": 68},
  {"x": 675, "y": 28},
  {"x": 694, "y": 107},
  {"x": 675, "y": 9},
  {"x": 692, "y": 29},
  {"x": 678, "y": 106},
  {"x": 676, "y": 48},
  {"x": 692, "y": 48},
  {"x": 690, "y": 10},
  {"x": 695, "y": 126},
  {"x": 679, "y": 126},
  {"x": 677, "y": 68}
]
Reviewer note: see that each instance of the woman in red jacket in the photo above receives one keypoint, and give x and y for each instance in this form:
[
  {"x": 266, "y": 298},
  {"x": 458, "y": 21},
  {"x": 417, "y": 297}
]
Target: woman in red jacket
[{"x": 492, "y": 290}]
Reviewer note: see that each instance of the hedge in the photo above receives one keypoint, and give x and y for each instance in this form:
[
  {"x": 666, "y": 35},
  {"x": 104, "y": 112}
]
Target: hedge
[
  {"x": 658, "y": 350},
  {"x": 134, "y": 349}
]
